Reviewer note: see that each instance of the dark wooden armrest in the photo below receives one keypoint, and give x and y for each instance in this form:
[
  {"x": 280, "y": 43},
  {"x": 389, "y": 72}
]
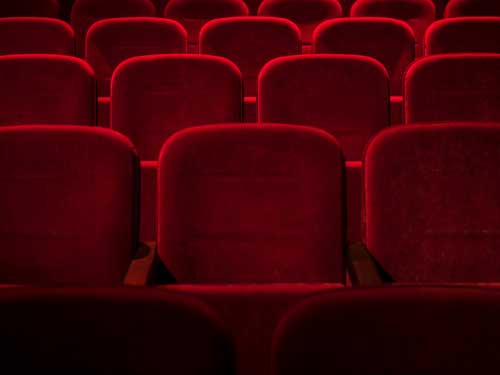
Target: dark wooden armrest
[
  {"x": 362, "y": 267},
  {"x": 139, "y": 272}
]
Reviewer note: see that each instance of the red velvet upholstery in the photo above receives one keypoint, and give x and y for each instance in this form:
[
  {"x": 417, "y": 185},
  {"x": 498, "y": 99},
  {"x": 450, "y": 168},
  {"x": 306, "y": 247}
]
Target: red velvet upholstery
[
  {"x": 419, "y": 14},
  {"x": 193, "y": 14},
  {"x": 111, "y": 331},
  {"x": 46, "y": 89},
  {"x": 154, "y": 96},
  {"x": 467, "y": 34},
  {"x": 390, "y": 41},
  {"x": 354, "y": 192},
  {"x": 148, "y": 201},
  {"x": 346, "y": 95},
  {"x": 393, "y": 331},
  {"x": 252, "y": 313},
  {"x": 346, "y": 6},
  {"x": 440, "y": 6},
  {"x": 253, "y": 6},
  {"x": 307, "y": 14},
  {"x": 251, "y": 204},
  {"x": 453, "y": 87},
  {"x": 29, "y": 8},
  {"x": 35, "y": 35},
  {"x": 432, "y": 203},
  {"x": 466, "y": 8},
  {"x": 85, "y": 12},
  {"x": 111, "y": 41},
  {"x": 68, "y": 205},
  {"x": 250, "y": 42}
]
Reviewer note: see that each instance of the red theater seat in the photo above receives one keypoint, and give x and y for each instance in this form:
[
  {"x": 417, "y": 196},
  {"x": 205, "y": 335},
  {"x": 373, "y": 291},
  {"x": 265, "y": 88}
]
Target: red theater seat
[
  {"x": 432, "y": 204},
  {"x": 193, "y": 14},
  {"x": 35, "y": 35},
  {"x": 467, "y": 34},
  {"x": 250, "y": 42},
  {"x": 246, "y": 204},
  {"x": 453, "y": 87},
  {"x": 465, "y": 8},
  {"x": 46, "y": 89},
  {"x": 346, "y": 95},
  {"x": 68, "y": 205},
  {"x": 111, "y": 331},
  {"x": 85, "y": 12},
  {"x": 29, "y": 8},
  {"x": 307, "y": 14},
  {"x": 391, "y": 331},
  {"x": 419, "y": 14}
]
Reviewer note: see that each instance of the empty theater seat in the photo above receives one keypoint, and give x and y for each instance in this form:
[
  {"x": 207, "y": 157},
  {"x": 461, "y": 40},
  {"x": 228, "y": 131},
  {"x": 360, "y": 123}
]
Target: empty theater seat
[
  {"x": 307, "y": 14},
  {"x": 68, "y": 205},
  {"x": 403, "y": 331},
  {"x": 247, "y": 204},
  {"x": 193, "y": 14},
  {"x": 46, "y": 89},
  {"x": 464, "y": 34},
  {"x": 29, "y": 8},
  {"x": 250, "y": 42},
  {"x": 419, "y": 14},
  {"x": 466, "y": 8},
  {"x": 85, "y": 12},
  {"x": 346, "y": 95},
  {"x": 453, "y": 87},
  {"x": 111, "y": 331},
  {"x": 431, "y": 203},
  {"x": 35, "y": 35}
]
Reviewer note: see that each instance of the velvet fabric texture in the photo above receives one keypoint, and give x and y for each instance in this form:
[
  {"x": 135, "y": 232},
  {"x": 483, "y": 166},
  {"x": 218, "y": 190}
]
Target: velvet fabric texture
[
  {"x": 250, "y": 42},
  {"x": 111, "y": 41},
  {"x": 390, "y": 41},
  {"x": 432, "y": 208},
  {"x": 35, "y": 35},
  {"x": 346, "y": 95},
  {"x": 85, "y": 12},
  {"x": 46, "y": 89},
  {"x": 148, "y": 201},
  {"x": 68, "y": 205},
  {"x": 391, "y": 331},
  {"x": 29, "y": 8},
  {"x": 453, "y": 87},
  {"x": 154, "y": 96},
  {"x": 467, "y": 34},
  {"x": 252, "y": 313},
  {"x": 466, "y": 8},
  {"x": 253, "y": 6},
  {"x": 306, "y": 14},
  {"x": 419, "y": 14},
  {"x": 193, "y": 14},
  {"x": 251, "y": 204},
  {"x": 111, "y": 331}
]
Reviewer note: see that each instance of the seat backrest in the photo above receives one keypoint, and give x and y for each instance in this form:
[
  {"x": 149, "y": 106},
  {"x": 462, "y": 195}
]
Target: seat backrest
[
  {"x": 391, "y": 331},
  {"x": 111, "y": 331},
  {"x": 154, "y": 96},
  {"x": 347, "y": 95},
  {"x": 35, "y": 35},
  {"x": 453, "y": 87},
  {"x": 46, "y": 89},
  {"x": 68, "y": 205},
  {"x": 466, "y": 8},
  {"x": 111, "y": 41},
  {"x": 251, "y": 204},
  {"x": 419, "y": 14},
  {"x": 307, "y": 14},
  {"x": 85, "y": 12},
  {"x": 464, "y": 34},
  {"x": 390, "y": 41},
  {"x": 431, "y": 202},
  {"x": 29, "y": 8},
  {"x": 193, "y": 14},
  {"x": 250, "y": 42}
]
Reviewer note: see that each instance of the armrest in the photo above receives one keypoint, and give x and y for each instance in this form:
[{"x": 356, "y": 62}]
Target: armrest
[
  {"x": 362, "y": 267},
  {"x": 139, "y": 272}
]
